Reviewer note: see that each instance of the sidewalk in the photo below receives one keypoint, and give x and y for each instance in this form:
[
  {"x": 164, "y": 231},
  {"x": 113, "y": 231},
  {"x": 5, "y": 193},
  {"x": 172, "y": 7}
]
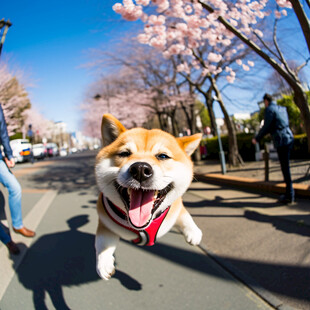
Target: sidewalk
[
  {"x": 251, "y": 177},
  {"x": 58, "y": 266}
]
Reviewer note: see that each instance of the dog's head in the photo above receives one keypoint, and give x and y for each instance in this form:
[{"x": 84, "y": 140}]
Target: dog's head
[{"x": 143, "y": 171}]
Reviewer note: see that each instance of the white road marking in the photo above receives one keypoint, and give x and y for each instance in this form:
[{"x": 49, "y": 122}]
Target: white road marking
[{"x": 32, "y": 220}]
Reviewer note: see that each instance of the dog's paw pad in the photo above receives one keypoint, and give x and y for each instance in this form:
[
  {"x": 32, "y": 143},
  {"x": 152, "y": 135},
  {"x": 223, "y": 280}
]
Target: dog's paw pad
[
  {"x": 193, "y": 236},
  {"x": 105, "y": 266}
]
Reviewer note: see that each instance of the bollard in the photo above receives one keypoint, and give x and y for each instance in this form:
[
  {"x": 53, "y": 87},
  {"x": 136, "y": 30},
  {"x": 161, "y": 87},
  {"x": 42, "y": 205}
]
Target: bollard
[
  {"x": 257, "y": 152},
  {"x": 266, "y": 159}
]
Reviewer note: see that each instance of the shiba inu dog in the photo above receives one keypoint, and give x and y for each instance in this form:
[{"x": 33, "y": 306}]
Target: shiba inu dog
[{"x": 142, "y": 175}]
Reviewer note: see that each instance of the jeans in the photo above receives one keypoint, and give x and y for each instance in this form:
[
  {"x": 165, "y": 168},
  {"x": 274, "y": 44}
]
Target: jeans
[
  {"x": 15, "y": 195},
  {"x": 284, "y": 158}
]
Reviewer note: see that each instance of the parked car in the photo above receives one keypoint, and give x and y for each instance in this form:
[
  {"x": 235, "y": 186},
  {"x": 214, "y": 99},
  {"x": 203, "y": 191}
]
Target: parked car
[
  {"x": 63, "y": 151},
  {"x": 52, "y": 149},
  {"x": 22, "y": 150},
  {"x": 39, "y": 151},
  {"x": 73, "y": 150}
]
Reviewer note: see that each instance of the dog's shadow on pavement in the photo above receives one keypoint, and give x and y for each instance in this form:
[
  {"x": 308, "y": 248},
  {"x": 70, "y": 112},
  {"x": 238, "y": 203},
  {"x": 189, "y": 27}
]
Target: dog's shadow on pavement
[{"x": 60, "y": 259}]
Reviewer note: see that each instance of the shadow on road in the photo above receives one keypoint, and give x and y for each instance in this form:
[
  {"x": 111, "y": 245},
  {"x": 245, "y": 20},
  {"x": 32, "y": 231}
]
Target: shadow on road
[
  {"x": 63, "y": 259},
  {"x": 264, "y": 273},
  {"x": 221, "y": 202},
  {"x": 277, "y": 221},
  {"x": 68, "y": 174},
  {"x": 283, "y": 279},
  {"x": 3, "y": 216}
]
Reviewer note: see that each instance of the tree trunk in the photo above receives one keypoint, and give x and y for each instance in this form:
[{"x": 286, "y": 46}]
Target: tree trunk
[
  {"x": 193, "y": 118},
  {"x": 209, "y": 104},
  {"x": 303, "y": 20},
  {"x": 233, "y": 154},
  {"x": 301, "y": 100},
  {"x": 289, "y": 76},
  {"x": 174, "y": 122},
  {"x": 161, "y": 125}
]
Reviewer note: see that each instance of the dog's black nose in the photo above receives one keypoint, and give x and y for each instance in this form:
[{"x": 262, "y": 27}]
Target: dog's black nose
[{"x": 141, "y": 171}]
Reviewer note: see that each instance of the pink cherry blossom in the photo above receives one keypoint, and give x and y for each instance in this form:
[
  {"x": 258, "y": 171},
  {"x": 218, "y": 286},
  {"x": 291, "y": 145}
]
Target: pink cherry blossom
[
  {"x": 214, "y": 57},
  {"x": 284, "y": 3},
  {"x": 284, "y": 12},
  {"x": 277, "y": 14},
  {"x": 245, "y": 67},
  {"x": 182, "y": 25}
]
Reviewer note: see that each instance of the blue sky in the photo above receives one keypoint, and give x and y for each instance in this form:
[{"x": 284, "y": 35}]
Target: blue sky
[{"x": 49, "y": 41}]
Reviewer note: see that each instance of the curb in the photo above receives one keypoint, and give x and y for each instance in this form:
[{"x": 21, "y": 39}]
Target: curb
[{"x": 301, "y": 190}]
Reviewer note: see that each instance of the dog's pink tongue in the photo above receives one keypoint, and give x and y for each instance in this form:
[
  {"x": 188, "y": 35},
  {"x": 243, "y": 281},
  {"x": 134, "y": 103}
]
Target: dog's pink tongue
[{"x": 141, "y": 204}]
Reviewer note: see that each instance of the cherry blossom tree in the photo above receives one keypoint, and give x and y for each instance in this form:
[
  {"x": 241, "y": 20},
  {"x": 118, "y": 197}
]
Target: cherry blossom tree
[
  {"x": 179, "y": 26},
  {"x": 203, "y": 72},
  {"x": 148, "y": 71},
  {"x": 14, "y": 100},
  {"x": 115, "y": 95},
  {"x": 41, "y": 127}
]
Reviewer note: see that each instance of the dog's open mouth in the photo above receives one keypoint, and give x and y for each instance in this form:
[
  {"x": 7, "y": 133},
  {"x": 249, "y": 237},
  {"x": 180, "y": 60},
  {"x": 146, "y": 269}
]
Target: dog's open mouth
[{"x": 141, "y": 203}]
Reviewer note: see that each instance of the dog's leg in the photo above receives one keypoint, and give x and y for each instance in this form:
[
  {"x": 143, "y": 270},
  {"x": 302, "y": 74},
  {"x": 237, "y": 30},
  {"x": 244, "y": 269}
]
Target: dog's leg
[
  {"x": 188, "y": 227},
  {"x": 105, "y": 243}
]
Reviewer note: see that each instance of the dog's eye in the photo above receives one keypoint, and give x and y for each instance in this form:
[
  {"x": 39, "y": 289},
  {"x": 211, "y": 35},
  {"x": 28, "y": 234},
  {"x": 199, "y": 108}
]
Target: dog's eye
[
  {"x": 162, "y": 156},
  {"x": 124, "y": 154}
]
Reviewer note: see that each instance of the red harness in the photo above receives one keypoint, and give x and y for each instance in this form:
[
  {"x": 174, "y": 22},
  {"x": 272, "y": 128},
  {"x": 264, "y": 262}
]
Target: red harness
[{"x": 146, "y": 236}]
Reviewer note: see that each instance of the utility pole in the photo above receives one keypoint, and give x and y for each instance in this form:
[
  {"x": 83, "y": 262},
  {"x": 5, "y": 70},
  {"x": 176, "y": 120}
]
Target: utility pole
[{"x": 6, "y": 25}]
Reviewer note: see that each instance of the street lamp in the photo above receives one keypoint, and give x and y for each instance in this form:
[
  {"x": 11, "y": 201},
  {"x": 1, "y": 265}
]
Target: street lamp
[
  {"x": 261, "y": 104},
  {"x": 6, "y": 24}
]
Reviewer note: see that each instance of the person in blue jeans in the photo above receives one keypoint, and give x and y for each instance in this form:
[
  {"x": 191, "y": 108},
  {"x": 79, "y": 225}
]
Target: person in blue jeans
[
  {"x": 11, "y": 183},
  {"x": 277, "y": 124}
]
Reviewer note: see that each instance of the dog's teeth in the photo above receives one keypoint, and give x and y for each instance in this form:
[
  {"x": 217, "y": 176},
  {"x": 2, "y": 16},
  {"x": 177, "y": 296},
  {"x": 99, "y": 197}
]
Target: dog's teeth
[
  {"x": 129, "y": 191},
  {"x": 155, "y": 193}
]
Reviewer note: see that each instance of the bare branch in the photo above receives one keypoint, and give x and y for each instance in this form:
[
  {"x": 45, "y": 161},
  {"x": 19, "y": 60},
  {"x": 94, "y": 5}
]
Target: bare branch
[
  {"x": 281, "y": 57},
  {"x": 303, "y": 19},
  {"x": 302, "y": 65},
  {"x": 253, "y": 46}
]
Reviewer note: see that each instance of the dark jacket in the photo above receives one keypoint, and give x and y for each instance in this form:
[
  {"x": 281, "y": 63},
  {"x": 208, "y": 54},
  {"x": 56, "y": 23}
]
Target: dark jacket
[
  {"x": 276, "y": 123},
  {"x": 4, "y": 137}
]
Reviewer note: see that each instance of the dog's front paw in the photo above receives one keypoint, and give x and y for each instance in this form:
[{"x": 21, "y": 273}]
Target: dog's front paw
[
  {"x": 105, "y": 266},
  {"x": 193, "y": 235}
]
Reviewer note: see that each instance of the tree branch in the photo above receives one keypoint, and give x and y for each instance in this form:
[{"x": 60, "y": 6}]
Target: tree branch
[
  {"x": 265, "y": 44},
  {"x": 303, "y": 19},
  {"x": 281, "y": 57},
  {"x": 302, "y": 65},
  {"x": 253, "y": 46}
]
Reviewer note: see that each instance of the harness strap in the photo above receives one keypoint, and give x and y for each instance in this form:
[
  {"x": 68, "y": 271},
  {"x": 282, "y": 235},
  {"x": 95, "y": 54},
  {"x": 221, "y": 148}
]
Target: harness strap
[{"x": 146, "y": 236}]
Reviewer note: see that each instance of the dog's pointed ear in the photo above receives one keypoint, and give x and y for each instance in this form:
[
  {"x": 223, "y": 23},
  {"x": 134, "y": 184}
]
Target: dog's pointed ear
[
  {"x": 190, "y": 143},
  {"x": 111, "y": 128}
]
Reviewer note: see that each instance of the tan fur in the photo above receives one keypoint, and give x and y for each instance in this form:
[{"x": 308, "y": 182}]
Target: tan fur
[{"x": 141, "y": 145}]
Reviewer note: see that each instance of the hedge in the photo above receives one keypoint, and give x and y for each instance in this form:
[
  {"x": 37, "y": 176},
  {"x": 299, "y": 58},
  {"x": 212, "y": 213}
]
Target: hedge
[
  {"x": 18, "y": 135},
  {"x": 247, "y": 149}
]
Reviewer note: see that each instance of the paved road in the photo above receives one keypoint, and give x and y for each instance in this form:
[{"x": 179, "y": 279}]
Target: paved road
[
  {"x": 57, "y": 270},
  {"x": 243, "y": 231}
]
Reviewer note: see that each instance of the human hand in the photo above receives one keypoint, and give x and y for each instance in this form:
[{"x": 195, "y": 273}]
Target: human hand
[
  {"x": 9, "y": 162},
  {"x": 254, "y": 141}
]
